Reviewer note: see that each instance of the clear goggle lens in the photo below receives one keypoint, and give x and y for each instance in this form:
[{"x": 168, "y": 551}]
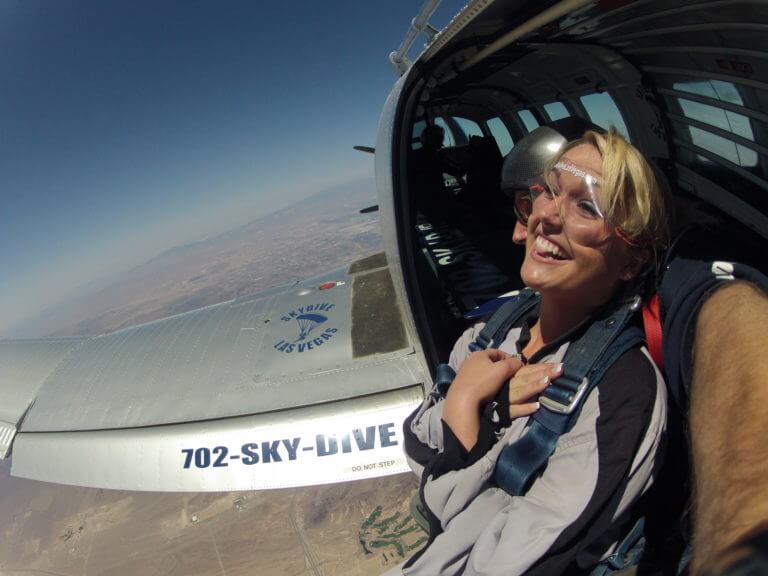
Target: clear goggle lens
[{"x": 574, "y": 193}]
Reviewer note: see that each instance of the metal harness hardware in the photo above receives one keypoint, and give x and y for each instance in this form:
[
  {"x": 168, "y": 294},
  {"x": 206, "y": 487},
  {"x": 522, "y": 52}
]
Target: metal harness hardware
[{"x": 565, "y": 407}]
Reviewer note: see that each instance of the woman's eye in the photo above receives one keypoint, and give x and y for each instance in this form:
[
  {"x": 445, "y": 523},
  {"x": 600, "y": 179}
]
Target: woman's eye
[{"x": 588, "y": 208}]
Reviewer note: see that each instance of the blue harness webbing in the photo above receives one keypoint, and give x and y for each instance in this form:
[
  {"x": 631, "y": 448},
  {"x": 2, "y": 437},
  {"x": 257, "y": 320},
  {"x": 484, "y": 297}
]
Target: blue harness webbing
[
  {"x": 503, "y": 319},
  {"x": 585, "y": 363},
  {"x": 499, "y": 324}
]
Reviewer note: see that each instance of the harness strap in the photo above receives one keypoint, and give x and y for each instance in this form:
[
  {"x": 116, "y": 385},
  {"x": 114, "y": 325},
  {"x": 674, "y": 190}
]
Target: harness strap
[
  {"x": 521, "y": 461},
  {"x": 652, "y": 325},
  {"x": 585, "y": 363},
  {"x": 502, "y": 320},
  {"x": 443, "y": 379},
  {"x": 627, "y": 553}
]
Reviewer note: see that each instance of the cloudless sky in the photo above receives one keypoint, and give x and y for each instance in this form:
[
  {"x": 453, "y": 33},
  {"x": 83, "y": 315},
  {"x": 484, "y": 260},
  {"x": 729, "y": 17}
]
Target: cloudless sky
[{"x": 130, "y": 127}]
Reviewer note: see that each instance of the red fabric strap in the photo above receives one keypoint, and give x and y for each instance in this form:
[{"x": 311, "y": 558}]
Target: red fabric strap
[{"x": 652, "y": 325}]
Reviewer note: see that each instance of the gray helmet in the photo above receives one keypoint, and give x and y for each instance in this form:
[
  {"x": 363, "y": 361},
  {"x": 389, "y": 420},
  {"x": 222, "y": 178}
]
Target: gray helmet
[{"x": 530, "y": 155}]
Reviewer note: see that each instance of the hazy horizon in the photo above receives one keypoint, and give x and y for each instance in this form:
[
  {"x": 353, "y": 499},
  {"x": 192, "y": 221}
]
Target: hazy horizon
[
  {"x": 360, "y": 193},
  {"x": 127, "y": 129}
]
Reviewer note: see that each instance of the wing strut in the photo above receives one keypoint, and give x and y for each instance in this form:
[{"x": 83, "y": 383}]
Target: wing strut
[
  {"x": 543, "y": 18},
  {"x": 419, "y": 24}
]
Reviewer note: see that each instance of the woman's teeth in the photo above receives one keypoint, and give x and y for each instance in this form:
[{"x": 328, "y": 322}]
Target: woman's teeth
[{"x": 547, "y": 248}]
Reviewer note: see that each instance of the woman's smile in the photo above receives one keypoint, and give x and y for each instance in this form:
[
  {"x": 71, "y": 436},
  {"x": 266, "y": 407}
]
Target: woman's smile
[{"x": 547, "y": 251}]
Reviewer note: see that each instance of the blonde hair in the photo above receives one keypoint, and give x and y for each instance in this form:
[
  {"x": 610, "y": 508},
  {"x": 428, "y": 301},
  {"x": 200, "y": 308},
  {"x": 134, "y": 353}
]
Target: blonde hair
[{"x": 634, "y": 199}]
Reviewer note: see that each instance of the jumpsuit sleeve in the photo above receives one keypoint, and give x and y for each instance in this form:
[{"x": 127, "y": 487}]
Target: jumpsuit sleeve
[{"x": 424, "y": 430}]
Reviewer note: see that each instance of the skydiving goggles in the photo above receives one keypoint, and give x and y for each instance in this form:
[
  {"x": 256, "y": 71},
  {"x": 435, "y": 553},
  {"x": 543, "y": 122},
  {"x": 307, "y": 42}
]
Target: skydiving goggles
[{"x": 577, "y": 196}]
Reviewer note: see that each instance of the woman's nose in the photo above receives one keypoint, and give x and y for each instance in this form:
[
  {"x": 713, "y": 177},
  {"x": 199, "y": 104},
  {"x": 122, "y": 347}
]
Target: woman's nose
[{"x": 548, "y": 212}]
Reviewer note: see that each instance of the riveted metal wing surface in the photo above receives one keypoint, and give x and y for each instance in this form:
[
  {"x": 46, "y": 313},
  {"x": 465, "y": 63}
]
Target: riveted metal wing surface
[{"x": 300, "y": 385}]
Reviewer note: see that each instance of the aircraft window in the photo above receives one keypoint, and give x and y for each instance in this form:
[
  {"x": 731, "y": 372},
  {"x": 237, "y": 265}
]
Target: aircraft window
[
  {"x": 469, "y": 127},
  {"x": 603, "y": 111},
  {"x": 448, "y": 139},
  {"x": 725, "y": 91},
  {"x": 747, "y": 184},
  {"x": 528, "y": 119},
  {"x": 556, "y": 110},
  {"x": 416, "y": 134},
  {"x": 501, "y": 135},
  {"x": 725, "y": 119},
  {"x": 736, "y": 153}
]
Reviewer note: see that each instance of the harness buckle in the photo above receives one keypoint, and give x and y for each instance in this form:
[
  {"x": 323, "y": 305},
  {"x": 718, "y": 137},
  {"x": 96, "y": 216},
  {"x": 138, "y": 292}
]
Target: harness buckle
[{"x": 561, "y": 408}]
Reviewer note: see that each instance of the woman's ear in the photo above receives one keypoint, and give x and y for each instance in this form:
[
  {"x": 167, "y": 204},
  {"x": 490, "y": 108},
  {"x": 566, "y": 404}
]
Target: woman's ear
[{"x": 638, "y": 257}]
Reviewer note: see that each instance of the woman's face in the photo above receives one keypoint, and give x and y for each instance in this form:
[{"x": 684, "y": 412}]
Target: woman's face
[{"x": 571, "y": 251}]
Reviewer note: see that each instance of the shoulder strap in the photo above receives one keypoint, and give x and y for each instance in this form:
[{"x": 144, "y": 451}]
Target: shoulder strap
[
  {"x": 495, "y": 330},
  {"x": 653, "y": 334},
  {"x": 585, "y": 363},
  {"x": 443, "y": 379}
]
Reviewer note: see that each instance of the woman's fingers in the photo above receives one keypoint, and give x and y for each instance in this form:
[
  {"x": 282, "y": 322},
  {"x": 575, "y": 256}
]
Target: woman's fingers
[
  {"x": 512, "y": 365},
  {"x": 527, "y": 384},
  {"x": 544, "y": 369},
  {"x": 522, "y": 388},
  {"x": 481, "y": 376},
  {"x": 519, "y": 410},
  {"x": 532, "y": 379},
  {"x": 495, "y": 354}
]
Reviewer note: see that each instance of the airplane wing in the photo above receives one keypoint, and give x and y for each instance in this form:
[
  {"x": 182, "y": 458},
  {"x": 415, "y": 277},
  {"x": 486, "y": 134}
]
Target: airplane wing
[{"x": 300, "y": 385}]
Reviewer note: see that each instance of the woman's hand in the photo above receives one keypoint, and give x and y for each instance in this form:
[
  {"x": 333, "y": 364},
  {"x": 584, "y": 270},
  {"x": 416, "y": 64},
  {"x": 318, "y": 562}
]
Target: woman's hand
[
  {"x": 479, "y": 379},
  {"x": 481, "y": 376},
  {"x": 528, "y": 382}
]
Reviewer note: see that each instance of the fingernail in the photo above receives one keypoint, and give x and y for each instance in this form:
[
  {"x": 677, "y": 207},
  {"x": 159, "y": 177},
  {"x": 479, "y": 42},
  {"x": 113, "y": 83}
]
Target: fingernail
[
  {"x": 559, "y": 367},
  {"x": 538, "y": 405},
  {"x": 545, "y": 380}
]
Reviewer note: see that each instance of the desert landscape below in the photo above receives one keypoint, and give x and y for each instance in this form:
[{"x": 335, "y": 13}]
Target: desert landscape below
[{"x": 354, "y": 528}]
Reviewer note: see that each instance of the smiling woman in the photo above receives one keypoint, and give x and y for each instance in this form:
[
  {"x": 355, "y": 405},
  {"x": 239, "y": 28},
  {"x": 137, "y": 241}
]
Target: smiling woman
[{"x": 594, "y": 220}]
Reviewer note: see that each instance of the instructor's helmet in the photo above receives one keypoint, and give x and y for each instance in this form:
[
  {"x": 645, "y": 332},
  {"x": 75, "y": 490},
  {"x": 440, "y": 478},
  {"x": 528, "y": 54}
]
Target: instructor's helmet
[{"x": 530, "y": 155}]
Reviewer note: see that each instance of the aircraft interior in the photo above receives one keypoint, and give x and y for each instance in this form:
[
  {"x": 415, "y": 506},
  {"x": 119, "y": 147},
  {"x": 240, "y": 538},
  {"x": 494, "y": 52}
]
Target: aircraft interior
[{"x": 691, "y": 96}]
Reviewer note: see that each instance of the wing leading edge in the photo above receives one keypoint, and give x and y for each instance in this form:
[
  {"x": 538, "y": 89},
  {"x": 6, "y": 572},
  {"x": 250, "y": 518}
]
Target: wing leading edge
[
  {"x": 335, "y": 442},
  {"x": 24, "y": 367}
]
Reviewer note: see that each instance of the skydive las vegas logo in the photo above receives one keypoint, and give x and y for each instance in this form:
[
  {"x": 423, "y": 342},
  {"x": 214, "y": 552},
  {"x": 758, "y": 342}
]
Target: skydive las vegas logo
[{"x": 311, "y": 329}]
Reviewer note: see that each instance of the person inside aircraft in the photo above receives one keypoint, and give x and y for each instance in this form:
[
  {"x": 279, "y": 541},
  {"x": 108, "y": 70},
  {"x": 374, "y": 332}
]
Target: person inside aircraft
[
  {"x": 719, "y": 384},
  {"x": 697, "y": 299},
  {"x": 426, "y": 167},
  {"x": 483, "y": 174},
  {"x": 596, "y": 216}
]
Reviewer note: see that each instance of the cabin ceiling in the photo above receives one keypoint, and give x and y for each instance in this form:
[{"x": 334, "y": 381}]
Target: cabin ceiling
[{"x": 692, "y": 76}]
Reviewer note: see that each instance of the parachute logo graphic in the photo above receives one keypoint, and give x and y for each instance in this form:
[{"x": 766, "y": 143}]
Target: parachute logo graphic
[
  {"x": 314, "y": 329},
  {"x": 307, "y": 323}
]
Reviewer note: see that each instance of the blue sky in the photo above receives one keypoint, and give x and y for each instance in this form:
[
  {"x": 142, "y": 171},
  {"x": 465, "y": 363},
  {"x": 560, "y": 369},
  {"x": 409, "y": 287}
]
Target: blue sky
[{"x": 130, "y": 127}]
